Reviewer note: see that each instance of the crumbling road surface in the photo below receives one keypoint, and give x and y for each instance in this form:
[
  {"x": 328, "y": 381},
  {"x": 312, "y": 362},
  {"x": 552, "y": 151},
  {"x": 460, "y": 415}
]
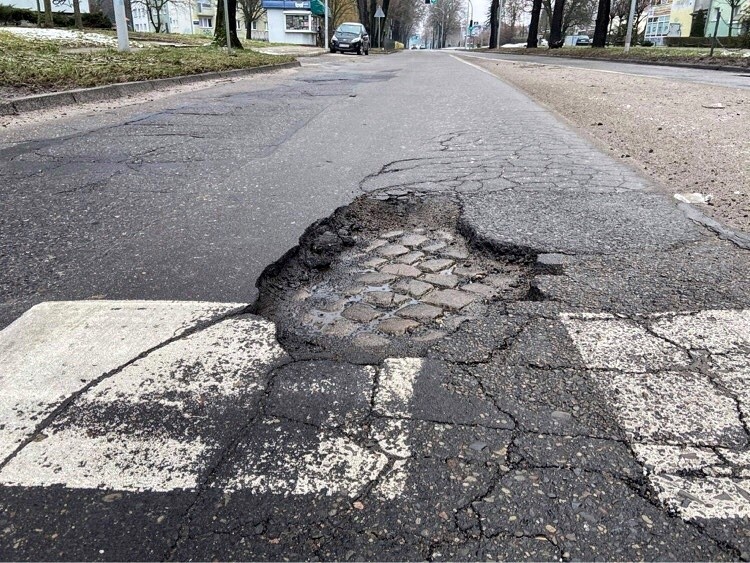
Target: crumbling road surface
[{"x": 496, "y": 343}]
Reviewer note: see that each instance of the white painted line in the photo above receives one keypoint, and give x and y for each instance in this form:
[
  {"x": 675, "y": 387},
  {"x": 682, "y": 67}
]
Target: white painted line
[
  {"x": 620, "y": 344},
  {"x": 721, "y": 332},
  {"x": 221, "y": 361},
  {"x": 396, "y": 386},
  {"x": 289, "y": 463},
  {"x": 213, "y": 366},
  {"x": 658, "y": 458},
  {"x": 710, "y": 497},
  {"x": 55, "y": 349},
  {"x": 668, "y": 415},
  {"x": 674, "y": 408},
  {"x": 479, "y": 68},
  {"x": 114, "y": 462}
]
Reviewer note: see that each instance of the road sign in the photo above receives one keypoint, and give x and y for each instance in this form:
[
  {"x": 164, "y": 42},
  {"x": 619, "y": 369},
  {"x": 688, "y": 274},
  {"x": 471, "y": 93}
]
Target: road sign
[{"x": 379, "y": 13}]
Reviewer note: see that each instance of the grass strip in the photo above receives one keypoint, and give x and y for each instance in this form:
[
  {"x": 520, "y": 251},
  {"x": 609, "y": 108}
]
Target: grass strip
[{"x": 42, "y": 66}]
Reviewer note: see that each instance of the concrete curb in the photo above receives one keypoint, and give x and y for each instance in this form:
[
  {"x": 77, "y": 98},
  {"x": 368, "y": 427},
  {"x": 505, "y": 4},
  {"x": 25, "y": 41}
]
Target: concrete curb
[
  {"x": 725, "y": 68},
  {"x": 113, "y": 91},
  {"x": 740, "y": 239}
]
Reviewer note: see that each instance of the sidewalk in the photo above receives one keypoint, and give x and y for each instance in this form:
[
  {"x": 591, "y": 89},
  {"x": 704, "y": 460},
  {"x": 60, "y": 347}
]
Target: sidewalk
[{"x": 292, "y": 50}]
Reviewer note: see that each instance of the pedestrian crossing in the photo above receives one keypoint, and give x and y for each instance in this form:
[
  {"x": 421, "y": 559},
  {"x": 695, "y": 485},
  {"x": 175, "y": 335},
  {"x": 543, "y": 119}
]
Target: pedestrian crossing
[
  {"x": 160, "y": 422},
  {"x": 155, "y": 396},
  {"x": 680, "y": 387}
]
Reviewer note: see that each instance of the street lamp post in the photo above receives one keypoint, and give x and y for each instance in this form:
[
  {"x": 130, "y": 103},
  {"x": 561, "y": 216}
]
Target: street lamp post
[
  {"x": 326, "y": 25},
  {"x": 629, "y": 34},
  {"x": 226, "y": 26},
  {"x": 122, "y": 26}
]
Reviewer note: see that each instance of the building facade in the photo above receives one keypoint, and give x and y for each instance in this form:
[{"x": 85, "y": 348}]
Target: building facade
[{"x": 61, "y": 7}]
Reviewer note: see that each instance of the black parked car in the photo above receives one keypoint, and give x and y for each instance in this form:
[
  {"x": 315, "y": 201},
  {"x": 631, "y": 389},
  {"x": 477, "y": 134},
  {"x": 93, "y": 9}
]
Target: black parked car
[{"x": 352, "y": 38}]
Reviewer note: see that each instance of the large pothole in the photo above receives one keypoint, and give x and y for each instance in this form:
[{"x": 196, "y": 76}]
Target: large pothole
[{"x": 386, "y": 277}]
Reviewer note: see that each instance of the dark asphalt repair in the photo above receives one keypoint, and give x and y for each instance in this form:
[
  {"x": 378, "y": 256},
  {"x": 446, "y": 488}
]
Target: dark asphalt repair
[{"x": 462, "y": 264}]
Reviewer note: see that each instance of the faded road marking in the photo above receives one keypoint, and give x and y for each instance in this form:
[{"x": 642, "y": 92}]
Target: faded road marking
[
  {"x": 680, "y": 385},
  {"x": 156, "y": 424},
  {"x": 159, "y": 423},
  {"x": 55, "y": 349},
  {"x": 114, "y": 461}
]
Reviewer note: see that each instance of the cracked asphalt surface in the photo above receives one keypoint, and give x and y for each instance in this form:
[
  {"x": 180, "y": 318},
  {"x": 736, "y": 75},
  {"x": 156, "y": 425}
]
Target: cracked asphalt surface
[{"x": 573, "y": 387}]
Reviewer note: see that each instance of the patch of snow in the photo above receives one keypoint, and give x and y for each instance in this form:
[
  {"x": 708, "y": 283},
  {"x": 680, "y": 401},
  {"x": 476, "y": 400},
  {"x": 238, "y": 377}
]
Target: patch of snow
[{"x": 70, "y": 37}]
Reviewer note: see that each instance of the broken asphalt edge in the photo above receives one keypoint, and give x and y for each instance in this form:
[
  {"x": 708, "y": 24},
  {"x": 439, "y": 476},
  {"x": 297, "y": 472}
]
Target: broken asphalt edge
[
  {"x": 738, "y": 238},
  {"x": 113, "y": 91},
  {"x": 698, "y": 66}
]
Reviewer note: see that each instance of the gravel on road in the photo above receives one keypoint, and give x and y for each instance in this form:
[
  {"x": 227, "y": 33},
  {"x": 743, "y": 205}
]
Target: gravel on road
[{"x": 690, "y": 138}]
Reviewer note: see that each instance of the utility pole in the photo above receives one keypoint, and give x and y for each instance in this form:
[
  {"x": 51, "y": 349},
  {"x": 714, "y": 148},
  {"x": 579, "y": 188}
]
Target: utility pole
[
  {"x": 226, "y": 26},
  {"x": 629, "y": 35},
  {"x": 122, "y": 26},
  {"x": 326, "y": 26}
]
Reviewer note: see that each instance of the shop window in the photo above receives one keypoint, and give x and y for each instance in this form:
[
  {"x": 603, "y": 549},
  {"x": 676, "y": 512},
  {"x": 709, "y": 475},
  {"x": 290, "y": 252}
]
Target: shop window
[{"x": 298, "y": 22}]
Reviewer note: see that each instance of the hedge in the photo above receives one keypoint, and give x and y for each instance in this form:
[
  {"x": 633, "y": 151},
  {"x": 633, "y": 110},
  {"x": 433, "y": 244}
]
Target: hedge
[{"x": 739, "y": 42}]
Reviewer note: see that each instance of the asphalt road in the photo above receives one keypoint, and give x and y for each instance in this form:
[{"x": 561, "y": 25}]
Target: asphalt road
[
  {"x": 191, "y": 196},
  {"x": 714, "y": 77},
  {"x": 512, "y": 346}
]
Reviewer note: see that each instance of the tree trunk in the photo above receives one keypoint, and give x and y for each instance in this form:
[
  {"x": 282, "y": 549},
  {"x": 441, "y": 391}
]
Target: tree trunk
[
  {"x": 494, "y": 9},
  {"x": 48, "y": 13},
  {"x": 77, "y": 14},
  {"x": 220, "y": 33},
  {"x": 533, "y": 40},
  {"x": 555, "y": 32},
  {"x": 600, "y": 31}
]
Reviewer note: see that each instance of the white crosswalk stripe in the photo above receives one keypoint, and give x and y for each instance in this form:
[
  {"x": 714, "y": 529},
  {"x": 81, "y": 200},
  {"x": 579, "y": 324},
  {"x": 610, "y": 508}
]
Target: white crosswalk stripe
[
  {"x": 156, "y": 424},
  {"x": 680, "y": 385},
  {"x": 57, "y": 348}
]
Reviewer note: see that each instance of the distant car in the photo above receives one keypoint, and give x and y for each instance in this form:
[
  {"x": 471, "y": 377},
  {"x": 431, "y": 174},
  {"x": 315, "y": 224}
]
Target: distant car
[
  {"x": 350, "y": 38},
  {"x": 583, "y": 40}
]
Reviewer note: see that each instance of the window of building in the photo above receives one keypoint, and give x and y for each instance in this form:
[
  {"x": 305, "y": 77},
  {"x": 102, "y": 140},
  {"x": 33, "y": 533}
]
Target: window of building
[
  {"x": 205, "y": 22},
  {"x": 657, "y": 26},
  {"x": 298, "y": 22}
]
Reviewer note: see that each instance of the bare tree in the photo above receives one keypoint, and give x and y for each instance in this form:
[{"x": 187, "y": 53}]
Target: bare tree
[
  {"x": 576, "y": 13},
  {"x": 512, "y": 10},
  {"x": 251, "y": 11},
  {"x": 76, "y": 10},
  {"x": 532, "y": 42},
  {"x": 602, "y": 21},
  {"x": 444, "y": 18},
  {"x": 220, "y": 30},
  {"x": 556, "y": 33},
  {"x": 494, "y": 9},
  {"x": 734, "y": 6},
  {"x": 157, "y": 11},
  {"x": 404, "y": 16},
  {"x": 48, "y": 13}
]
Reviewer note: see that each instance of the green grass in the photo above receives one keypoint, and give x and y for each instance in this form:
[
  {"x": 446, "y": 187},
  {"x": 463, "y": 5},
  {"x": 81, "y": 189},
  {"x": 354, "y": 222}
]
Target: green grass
[
  {"x": 42, "y": 66},
  {"x": 653, "y": 54}
]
